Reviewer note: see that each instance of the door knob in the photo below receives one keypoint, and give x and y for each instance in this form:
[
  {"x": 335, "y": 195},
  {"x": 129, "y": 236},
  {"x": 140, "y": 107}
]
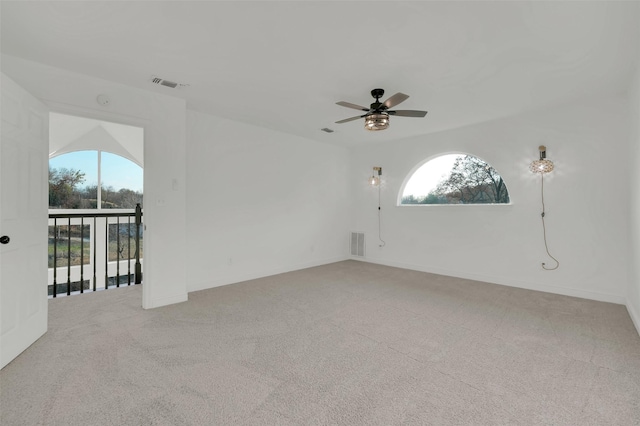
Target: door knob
[{"x": 5, "y": 239}]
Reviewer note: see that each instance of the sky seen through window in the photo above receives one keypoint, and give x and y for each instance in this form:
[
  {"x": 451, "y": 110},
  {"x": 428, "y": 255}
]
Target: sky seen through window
[
  {"x": 427, "y": 177},
  {"x": 117, "y": 171}
]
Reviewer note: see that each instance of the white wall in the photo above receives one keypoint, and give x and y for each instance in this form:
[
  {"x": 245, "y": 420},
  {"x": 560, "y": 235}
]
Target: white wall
[
  {"x": 256, "y": 202},
  {"x": 164, "y": 121},
  {"x": 586, "y": 203},
  {"x": 260, "y": 202},
  {"x": 633, "y": 293}
]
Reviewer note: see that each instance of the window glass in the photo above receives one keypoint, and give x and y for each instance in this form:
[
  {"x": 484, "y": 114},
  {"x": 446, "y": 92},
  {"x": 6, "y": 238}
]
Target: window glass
[
  {"x": 455, "y": 179},
  {"x": 121, "y": 182},
  {"x": 73, "y": 180}
]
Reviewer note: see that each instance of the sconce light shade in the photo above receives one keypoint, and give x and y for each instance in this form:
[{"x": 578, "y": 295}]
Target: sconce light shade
[
  {"x": 542, "y": 165},
  {"x": 374, "y": 180},
  {"x": 376, "y": 121}
]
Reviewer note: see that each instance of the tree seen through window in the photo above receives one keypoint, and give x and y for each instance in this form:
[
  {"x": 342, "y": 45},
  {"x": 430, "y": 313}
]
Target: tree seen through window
[
  {"x": 75, "y": 183},
  {"x": 462, "y": 179}
]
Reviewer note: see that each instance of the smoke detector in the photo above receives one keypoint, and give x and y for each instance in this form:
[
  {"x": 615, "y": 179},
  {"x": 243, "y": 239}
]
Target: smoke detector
[
  {"x": 103, "y": 100},
  {"x": 167, "y": 83}
]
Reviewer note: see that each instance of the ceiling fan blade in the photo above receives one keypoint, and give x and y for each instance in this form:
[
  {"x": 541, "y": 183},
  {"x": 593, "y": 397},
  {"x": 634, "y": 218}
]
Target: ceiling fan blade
[
  {"x": 395, "y": 100},
  {"x": 354, "y": 106},
  {"x": 349, "y": 119},
  {"x": 407, "y": 113}
]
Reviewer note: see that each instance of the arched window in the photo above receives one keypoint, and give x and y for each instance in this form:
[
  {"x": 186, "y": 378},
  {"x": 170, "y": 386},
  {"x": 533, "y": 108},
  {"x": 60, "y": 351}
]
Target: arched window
[
  {"x": 454, "y": 179},
  {"x": 94, "y": 164},
  {"x": 94, "y": 180}
]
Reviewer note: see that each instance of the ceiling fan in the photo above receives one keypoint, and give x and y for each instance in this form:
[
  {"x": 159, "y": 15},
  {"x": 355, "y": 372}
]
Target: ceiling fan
[{"x": 377, "y": 115}]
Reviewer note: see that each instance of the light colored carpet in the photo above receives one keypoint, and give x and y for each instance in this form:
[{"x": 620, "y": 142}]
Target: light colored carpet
[{"x": 349, "y": 343}]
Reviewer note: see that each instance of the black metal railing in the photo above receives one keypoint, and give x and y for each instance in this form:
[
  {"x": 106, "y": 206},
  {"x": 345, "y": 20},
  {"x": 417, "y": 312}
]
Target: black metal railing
[{"x": 95, "y": 250}]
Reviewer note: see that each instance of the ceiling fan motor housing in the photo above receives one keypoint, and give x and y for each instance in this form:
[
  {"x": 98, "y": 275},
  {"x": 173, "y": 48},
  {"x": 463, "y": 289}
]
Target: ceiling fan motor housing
[{"x": 377, "y": 93}]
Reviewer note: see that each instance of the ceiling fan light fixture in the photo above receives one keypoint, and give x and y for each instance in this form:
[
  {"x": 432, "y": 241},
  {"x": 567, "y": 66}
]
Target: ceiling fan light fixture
[{"x": 376, "y": 121}]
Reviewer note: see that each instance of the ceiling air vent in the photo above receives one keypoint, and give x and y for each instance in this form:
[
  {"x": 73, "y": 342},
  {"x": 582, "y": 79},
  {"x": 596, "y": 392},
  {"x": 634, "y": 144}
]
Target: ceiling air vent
[{"x": 167, "y": 83}]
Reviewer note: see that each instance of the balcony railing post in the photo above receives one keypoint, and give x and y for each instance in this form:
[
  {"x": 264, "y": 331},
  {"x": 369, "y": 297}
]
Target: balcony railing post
[
  {"x": 93, "y": 247},
  {"x": 100, "y": 250},
  {"x": 69, "y": 256},
  {"x": 118, "y": 252},
  {"x": 106, "y": 253},
  {"x": 82, "y": 255},
  {"x": 128, "y": 250},
  {"x": 55, "y": 257},
  {"x": 138, "y": 269}
]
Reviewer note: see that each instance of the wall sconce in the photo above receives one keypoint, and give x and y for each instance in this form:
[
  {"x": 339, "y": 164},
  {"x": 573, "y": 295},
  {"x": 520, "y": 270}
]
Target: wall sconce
[
  {"x": 375, "y": 180},
  {"x": 543, "y": 166}
]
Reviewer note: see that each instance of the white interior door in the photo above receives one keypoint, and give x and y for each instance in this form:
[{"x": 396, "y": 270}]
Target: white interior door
[{"x": 24, "y": 140}]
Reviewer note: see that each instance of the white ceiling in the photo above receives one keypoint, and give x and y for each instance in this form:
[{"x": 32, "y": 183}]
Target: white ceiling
[{"x": 283, "y": 65}]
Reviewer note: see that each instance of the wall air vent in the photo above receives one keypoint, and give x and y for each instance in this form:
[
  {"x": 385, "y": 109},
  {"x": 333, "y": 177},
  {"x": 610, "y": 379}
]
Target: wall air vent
[
  {"x": 167, "y": 83},
  {"x": 357, "y": 244}
]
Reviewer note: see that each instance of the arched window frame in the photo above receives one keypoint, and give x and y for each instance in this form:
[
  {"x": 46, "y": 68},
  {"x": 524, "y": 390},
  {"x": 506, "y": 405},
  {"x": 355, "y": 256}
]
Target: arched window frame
[{"x": 419, "y": 165}]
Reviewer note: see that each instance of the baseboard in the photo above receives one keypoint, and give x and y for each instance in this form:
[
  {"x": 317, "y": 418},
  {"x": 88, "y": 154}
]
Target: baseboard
[
  {"x": 565, "y": 291},
  {"x": 635, "y": 317},
  {"x": 237, "y": 278}
]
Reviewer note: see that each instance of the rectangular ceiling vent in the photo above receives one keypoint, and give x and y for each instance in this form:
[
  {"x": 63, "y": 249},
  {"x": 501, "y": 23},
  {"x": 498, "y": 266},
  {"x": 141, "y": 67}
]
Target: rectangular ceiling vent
[
  {"x": 357, "y": 244},
  {"x": 167, "y": 83}
]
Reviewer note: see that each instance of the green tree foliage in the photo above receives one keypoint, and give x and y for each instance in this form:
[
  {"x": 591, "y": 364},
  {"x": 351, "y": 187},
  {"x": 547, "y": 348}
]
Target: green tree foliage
[
  {"x": 472, "y": 181},
  {"x": 410, "y": 199},
  {"x": 65, "y": 193},
  {"x": 431, "y": 198},
  {"x": 111, "y": 199},
  {"x": 128, "y": 198}
]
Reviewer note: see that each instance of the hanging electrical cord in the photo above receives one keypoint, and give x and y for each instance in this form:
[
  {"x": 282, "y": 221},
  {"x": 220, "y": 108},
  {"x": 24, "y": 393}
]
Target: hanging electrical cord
[
  {"x": 544, "y": 228},
  {"x": 380, "y": 219},
  {"x": 543, "y": 166},
  {"x": 377, "y": 181}
]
